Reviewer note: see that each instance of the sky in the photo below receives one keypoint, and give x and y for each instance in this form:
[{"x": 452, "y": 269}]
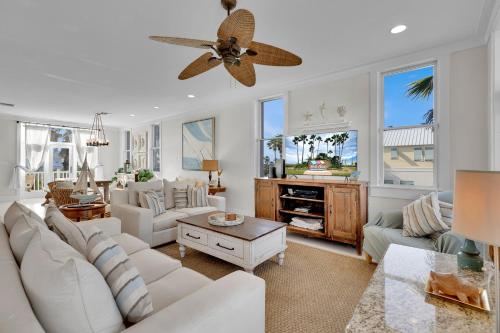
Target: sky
[{"x": 400, "y": 110}]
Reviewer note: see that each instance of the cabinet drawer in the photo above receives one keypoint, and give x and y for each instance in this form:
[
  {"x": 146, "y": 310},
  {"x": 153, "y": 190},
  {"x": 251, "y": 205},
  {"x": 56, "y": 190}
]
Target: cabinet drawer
[
  {"x": 194, "y": 235},
  {"x": 231, "y": 246}
]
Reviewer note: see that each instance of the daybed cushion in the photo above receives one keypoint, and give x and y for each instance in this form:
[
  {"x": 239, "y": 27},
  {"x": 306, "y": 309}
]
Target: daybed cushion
[
  {"x": 153, "y": 265},
  {"x": 130, "y": 244},
  {"x": 175, "y": 286},
  {"x": 135, "y": 187},
  {"x": 167, "y": 220},
  {"x": 13, "y": 212},
  {"x": 5, "y": 250},
  {"x": 21, "y": 234},
  {"x": 68, "y": 294},
  {"x": 196, "y": 210}
]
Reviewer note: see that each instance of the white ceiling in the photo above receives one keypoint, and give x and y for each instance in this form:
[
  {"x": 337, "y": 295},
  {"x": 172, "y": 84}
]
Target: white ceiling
[{"x": 67, "y": 59}]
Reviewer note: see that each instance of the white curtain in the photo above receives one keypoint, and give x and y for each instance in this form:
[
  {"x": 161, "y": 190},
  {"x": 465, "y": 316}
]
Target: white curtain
[
  {"x": 37, "y": 138},
  {"x": 80, "y": 139}
]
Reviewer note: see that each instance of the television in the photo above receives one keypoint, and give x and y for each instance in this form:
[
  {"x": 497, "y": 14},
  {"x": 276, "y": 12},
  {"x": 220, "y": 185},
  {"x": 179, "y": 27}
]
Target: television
[{"x": 323, "y": 154}]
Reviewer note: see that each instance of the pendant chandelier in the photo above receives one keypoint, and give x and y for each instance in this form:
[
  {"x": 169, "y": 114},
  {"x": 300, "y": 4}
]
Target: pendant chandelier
[{"x": 97, "y": 135}]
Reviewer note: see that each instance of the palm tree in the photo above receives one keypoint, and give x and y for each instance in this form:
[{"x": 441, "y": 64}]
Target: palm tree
[
  {"x": 275, "y": 144},
  {"x": 319, "y": 139},
  {"x": 296, "y": 141},
  {"x": 422, "y": 89},
  {"x": 312, "y": 138},
  {"x": 303, "y": 138},
  {"x": 327, "y": 141},
  {"x": 343, "y": 138}
]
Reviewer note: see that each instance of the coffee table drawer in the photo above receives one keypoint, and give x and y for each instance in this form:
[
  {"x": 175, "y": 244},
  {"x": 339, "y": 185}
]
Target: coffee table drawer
[
  {"x": 194, "y": 235},
  {"x": 231, "y": 246}
]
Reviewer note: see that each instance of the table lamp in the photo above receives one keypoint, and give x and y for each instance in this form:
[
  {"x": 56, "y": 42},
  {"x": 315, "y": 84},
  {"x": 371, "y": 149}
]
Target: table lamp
[
  {"x": 476, "y": 214},
  {"x": 210, "y": 165}
]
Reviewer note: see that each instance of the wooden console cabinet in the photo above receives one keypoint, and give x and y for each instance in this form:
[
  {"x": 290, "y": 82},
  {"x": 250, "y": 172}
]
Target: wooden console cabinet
[{"x": 340, "y": 205}]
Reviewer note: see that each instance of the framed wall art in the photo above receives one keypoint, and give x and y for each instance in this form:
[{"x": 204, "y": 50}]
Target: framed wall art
[{"x": 198, "y": 143}]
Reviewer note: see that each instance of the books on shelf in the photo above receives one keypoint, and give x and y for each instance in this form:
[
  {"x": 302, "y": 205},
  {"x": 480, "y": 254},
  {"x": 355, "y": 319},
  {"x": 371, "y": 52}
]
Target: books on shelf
[
  {"x": 306, "y": 223},
  {"x": 303, "y": 209}
]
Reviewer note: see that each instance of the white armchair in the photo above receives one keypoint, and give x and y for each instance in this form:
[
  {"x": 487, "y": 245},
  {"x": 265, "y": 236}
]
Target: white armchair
[{"x": 154, "y": 230}]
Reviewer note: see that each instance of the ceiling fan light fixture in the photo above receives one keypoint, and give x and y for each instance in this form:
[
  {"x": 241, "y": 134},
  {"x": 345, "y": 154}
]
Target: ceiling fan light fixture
[
  {"x": 398, "y": 29},
  {"x": 97, "y": 136}
]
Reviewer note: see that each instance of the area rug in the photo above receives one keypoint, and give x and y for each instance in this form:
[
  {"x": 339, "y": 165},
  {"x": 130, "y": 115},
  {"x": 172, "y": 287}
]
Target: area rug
[{"x": 315, "y": 291}]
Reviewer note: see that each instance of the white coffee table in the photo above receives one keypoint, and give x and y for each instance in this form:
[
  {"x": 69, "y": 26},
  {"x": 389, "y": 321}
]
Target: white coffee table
[{"x": 246, "y": 245}]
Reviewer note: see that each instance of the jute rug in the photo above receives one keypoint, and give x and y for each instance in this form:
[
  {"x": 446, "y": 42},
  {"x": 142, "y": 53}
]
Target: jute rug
[{"x": 315, "y": 290}]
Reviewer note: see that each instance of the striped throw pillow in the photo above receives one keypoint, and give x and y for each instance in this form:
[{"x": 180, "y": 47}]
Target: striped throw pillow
[
  {"x": 422, "y": 217},
  {"x": 154, "y": 200},
  {"x": 446, "y": 210},
  {"x": 197, "y": 196},
  {"x": 180, "y": 198},
  {"x": 126, "y": 284}
]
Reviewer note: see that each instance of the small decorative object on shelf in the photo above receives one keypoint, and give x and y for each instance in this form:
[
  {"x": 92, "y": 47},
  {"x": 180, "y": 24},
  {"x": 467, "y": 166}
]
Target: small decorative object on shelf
[
  {"x": 144, "y": 175},
  {"x": 81, "y": 189},
  {"x": 127, "y": 168},
  {"x": 226, "y": 219},
  {"x": 219, "y": 173},
  {"x": 97, "y": 135},
  {"x": 453, "y": 288}
]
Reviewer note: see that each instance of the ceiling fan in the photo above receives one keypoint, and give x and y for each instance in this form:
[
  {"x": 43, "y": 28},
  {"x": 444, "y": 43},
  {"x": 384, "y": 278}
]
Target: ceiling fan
[{"x": 234, "y": 47}]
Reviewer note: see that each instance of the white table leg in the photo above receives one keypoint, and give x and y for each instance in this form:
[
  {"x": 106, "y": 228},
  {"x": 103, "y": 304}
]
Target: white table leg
[
  {"x": 281, "y": 258},
  {"x": 182, "y": 250}
]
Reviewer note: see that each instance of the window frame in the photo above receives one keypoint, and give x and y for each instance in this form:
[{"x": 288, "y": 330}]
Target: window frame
[
  {"x": 260, "y": 129},
  {"x": 435, "y": 125},
  {"x": 152, "y": 149},
  {"x": 394, "y": 156},
  {"x": 125, "y": 150}
]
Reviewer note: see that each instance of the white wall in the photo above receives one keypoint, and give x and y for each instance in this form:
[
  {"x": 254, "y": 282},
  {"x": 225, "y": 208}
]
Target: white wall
[{"x": 8, "y": 155}]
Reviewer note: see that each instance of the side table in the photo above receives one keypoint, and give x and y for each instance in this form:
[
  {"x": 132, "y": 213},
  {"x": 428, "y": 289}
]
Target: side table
[
  {"x": 212, "y": 190},
  {"x": 87, "y": 212}
]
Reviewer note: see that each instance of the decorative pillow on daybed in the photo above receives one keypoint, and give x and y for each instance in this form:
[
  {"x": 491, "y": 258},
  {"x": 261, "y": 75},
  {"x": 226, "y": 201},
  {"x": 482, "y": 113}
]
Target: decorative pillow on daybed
[
  {"x": 65, "y": 229},
  {"x": 446, "y": 210},
  {"x": 125, "y": 282},
  {"x": 197, "y": 196},
  {"x": 422, "y": 217},
  {"x": 67, "y": 293},
  {"x": 154, "y": 200},
  {"x": 21, "y": 234},
  {"x": 13, "y": 212}
]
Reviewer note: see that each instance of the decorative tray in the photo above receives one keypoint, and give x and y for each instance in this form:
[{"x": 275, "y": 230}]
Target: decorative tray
[
  {"x": 485, "y": 304},
  {"x": 219, "y": 219}
]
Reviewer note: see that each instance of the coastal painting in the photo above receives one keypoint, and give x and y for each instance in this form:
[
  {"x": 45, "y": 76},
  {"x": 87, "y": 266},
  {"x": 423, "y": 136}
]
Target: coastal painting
[
  {"x": 198, "y": 143},
  {"x": 334, "y": 154}
]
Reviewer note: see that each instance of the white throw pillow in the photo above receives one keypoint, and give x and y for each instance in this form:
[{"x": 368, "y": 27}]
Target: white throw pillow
[
  {"x": 197, "y": 196},
  {"x": 168, "y": 188},
  {"x": 21, "y": 234},
  {"x": 154, "y": 200},
  {"x": 446, "y": 210},
  {"x": 67, "y": 293},
  {"x": 65, "y": 228},
  {"x": 124, "y": 280},
  {"x": 422, "y": 217},
  {"x": 13, "y": 212},
  {"x": 134, "y": 188}
]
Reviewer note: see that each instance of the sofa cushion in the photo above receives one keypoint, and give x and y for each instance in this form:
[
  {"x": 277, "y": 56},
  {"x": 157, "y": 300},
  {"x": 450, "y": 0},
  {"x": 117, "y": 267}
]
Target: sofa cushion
[
  {"x": 168, "y": 189},
  {"x": 154, "y": 200},
  {"x": 153, "y": 265},
  {"x": 422, "y": 217},
  {"x": 180, "y": 197},
  {"x": 13, "y": 212},
  {"x": 196, "y": 210},
  {"x": 68, "y": 294},
  {"x": 135, "y": 187},
  {"x": 5, "y": 250},
  {"x": 176, "y": 286},
  {"x": 446, "y": 210},
  {"x": 21, "y": 234},
  {"x": 65, "y": 229},
  {"x": 167, "y": 220},
  {"x": 16, "y": 314},
  {"x": 130, "y": 244},
  {"x": 197, "y": 196},
  {"x": 124, "y": 280}
]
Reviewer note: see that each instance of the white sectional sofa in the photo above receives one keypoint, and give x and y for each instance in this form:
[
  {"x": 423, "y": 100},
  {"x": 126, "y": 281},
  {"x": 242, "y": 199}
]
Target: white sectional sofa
[
  {"x": 140, "y": 222},
  {"x": 183, "y": 300}
]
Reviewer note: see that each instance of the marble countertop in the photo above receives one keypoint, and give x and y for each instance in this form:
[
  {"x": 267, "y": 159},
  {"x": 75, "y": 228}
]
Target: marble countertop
[{"x": 395, "y": 300}]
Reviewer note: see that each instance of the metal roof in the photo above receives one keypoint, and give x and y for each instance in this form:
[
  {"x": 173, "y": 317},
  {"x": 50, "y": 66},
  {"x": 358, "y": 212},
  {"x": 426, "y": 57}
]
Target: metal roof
[{"x": 408, "y": 136}]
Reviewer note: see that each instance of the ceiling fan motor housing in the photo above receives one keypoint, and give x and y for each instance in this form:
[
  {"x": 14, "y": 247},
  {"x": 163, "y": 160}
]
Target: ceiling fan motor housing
[
  {"x": 229, "y": 50},
  {"x": 228, "y": 4}
]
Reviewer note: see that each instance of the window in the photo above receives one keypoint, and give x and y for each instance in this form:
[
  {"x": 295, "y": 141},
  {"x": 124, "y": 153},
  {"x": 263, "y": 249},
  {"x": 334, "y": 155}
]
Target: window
[
  {"x": 127, "y": 139},
  {"x": 394, "y": 153},
  {"x": 271, "y": 136},
  {"x": 417, "y": 154},
  {"x": 409, "y": 126},
  {"x": 155, "y": 148}
]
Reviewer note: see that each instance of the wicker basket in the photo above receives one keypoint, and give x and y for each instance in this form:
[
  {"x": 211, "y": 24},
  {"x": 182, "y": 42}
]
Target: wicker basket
[{"x": 61, "y": 196}]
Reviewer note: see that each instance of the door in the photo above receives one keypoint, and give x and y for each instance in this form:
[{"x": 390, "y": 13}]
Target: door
[
  {"x": 61, "y": 161},
  {"x": 264, "y": 200},
  {"x": 342, "y": 213}
]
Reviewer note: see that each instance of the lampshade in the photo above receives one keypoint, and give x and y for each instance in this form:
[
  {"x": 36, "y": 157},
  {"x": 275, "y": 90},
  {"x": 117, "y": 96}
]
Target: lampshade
[
  {"x": 476, "y": 206},
  {"x": 210, "y": 165}
]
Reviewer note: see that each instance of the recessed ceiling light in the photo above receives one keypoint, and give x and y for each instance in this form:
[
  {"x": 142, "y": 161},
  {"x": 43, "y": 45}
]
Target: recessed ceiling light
[
  {"x": 191, "y": 96},
  {"x": 132, "y": 115},
  {"x": 156, "y": 107},
  {"x": 398, "y": 29}
]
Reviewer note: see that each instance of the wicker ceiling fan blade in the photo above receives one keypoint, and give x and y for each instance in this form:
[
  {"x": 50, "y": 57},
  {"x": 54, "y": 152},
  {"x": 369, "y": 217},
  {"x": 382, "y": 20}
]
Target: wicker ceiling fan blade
[
  {"x": 264, "y": 54},
  {"x": 200, "y": 65},
  {"x": 244, "y": 72},
  {"x": 198, "y": 43},
  {"x": 240, "y": 25}
]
